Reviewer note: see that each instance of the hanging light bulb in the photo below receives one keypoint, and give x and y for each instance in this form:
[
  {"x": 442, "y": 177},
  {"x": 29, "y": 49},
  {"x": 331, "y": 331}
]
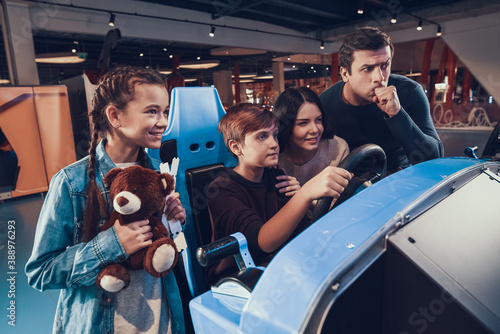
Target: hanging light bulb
[
  {"x": 439, "y": 33},
  {"x": 419, "y": 27},
  {"x": 360, "y": 7},
  {"x": 322, "y": 46},
  {"x": 111, "y": 20},
  {"x": 212, "y": 32},
  {"x": 394, "y": 19}
]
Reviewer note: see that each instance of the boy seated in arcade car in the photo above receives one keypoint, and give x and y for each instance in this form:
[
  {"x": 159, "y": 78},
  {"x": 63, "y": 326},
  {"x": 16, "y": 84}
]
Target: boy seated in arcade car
[{"x": 256, "y": 198}]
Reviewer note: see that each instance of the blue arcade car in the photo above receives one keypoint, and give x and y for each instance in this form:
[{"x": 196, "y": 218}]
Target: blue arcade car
[{"x": 415, "y": 252}]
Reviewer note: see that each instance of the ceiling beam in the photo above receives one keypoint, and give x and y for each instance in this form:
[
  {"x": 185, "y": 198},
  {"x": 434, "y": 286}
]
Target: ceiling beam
[
  {"x": 307, "y": 9},
  {"x": 225, "y": 9},
  {"x": 160, "y": 22},
  {"x": 234, "y": 10}
]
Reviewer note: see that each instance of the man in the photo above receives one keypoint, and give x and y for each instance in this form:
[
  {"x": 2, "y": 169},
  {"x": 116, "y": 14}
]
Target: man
[{"x": 371, "y": 105}]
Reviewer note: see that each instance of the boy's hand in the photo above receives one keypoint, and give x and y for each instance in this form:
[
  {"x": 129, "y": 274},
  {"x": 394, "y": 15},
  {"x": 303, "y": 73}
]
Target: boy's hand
[
  {"x": 289, "y": 184},
  {"x": 134, "y": 236},
  {"x": 331, "y": 182},
  {"x": 174, "y": 209}
]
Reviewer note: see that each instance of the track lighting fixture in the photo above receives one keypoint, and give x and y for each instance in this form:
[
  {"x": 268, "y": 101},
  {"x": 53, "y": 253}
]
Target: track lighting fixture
[
  {"x": 361, "y": 5},
  {"x": 212, "y": 32},
  {"x": 419, "y": 27},
  {"x": 111, "y": 20},
  {"x": 322, "y": 46},
  {"x": 439, "y": 33},
  {"x": 394, "y": 19}
]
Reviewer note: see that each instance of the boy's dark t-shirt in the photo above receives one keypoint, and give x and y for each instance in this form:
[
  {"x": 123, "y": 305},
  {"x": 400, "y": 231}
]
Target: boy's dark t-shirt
[{"x": 239, "y": 205}]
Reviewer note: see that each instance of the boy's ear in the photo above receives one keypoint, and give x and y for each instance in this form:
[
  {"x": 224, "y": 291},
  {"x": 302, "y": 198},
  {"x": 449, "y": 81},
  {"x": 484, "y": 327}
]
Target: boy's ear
[{"x": 235, "y": 147}]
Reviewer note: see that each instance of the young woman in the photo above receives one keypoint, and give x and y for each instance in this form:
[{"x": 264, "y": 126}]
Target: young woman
[
  {"x": 130, "y": 110},
  {"x": 307, "y": 141}
]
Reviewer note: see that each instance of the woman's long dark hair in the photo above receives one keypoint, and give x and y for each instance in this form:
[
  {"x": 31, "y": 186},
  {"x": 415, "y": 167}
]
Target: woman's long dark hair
[
  {"x": 117, "y": 88},
  {"x": 286, "y": 108}
]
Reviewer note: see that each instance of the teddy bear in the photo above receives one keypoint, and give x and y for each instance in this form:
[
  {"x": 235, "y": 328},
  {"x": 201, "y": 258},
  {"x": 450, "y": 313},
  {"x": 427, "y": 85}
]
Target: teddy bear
[{"x": 139, "y": 193}]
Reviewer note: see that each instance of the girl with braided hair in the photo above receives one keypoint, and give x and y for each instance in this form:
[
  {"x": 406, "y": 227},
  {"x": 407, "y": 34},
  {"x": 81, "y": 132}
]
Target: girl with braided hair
[{"x": 129, "y": 113}]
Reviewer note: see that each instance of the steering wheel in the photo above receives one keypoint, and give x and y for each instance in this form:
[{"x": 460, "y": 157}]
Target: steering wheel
[{"x": 365, "y": 153}]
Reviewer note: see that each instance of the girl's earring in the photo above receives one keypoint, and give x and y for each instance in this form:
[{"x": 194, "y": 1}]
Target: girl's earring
[{"x": 118, "y": 124}]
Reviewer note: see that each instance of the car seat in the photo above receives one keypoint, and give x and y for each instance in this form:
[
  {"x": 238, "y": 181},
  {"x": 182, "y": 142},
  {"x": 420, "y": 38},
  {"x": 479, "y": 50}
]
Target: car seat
[{"x": 192, "y": 136}]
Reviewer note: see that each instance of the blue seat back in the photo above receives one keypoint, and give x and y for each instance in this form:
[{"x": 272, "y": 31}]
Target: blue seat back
[{"x": 192, "y": 136}]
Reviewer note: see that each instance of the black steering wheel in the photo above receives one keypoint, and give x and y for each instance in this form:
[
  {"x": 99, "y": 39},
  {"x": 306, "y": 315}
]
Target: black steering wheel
[{"x": 370, "y": 154}]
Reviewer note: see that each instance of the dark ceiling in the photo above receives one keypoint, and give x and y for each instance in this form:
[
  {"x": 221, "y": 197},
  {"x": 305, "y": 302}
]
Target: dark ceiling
[{"x": 306, "y": 16}]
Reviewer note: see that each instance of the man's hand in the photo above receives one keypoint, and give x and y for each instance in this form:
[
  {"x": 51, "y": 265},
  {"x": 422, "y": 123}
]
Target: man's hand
[{"x": 387, "y": 100}]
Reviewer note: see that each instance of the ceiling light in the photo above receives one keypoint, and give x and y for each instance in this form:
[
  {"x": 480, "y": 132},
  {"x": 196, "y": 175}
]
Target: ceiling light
[
  {"x": 264, "y": 76},
  {"x": 212, "y": 32},
  {"x": 201, "y": 65},
  {"x": 322, "y": 46},
  {"x": 61, "y": 58},
  {"x": 111, "y": 20},
  {"x": 360, "y": 7},
  {"x": 247, "y": 75},
  {"x": 165, "y": 72},
  {"x": 419, "y": 27},
  {"x": 288, "y": 58},
  {"x": 4, "y": 81},
  {"x": 439, "y": 33},
  {"x": 246, "y": 81},
  {"x": 190, "y": 79},
  {"x": 394, "y": 19},
  {"x": 226, "y": 51}
]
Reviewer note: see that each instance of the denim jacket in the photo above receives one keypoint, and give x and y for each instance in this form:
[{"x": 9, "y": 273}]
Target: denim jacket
[{"x": 60, "y": 260}]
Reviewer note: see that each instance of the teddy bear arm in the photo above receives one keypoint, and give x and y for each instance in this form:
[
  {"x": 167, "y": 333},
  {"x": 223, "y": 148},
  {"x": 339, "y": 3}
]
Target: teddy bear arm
[
  {"x": 157, "y": 228},
  {"x": 135, "y": 261}
]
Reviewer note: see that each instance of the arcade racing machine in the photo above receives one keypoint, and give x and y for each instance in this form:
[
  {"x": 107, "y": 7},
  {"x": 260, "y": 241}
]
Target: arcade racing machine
[{"x": 414, "y": 252}]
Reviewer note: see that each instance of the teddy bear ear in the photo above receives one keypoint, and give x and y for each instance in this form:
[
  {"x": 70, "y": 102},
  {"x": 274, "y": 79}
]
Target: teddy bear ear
[
  {"x": 168, "y": 182},
  {"x": 108, "y": 179}
]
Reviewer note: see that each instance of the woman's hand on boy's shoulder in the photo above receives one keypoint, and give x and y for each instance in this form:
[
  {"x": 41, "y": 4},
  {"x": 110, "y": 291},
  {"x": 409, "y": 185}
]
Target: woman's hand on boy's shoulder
[{"x": 288, "y": 185}]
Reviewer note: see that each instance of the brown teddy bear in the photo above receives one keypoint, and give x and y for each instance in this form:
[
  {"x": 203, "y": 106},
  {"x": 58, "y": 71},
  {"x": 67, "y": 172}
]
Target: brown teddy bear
[{"x": 139, "y": 193}]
